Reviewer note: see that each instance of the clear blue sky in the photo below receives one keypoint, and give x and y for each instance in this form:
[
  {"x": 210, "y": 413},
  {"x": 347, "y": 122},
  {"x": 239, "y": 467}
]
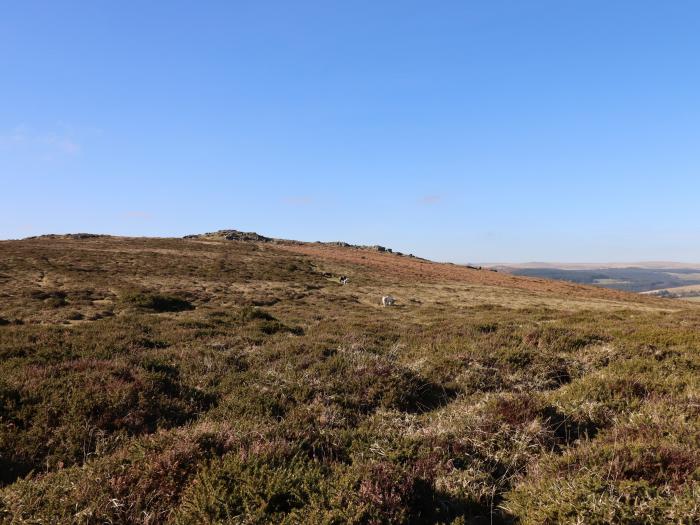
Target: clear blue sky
[{"x": 457, "y": 130}]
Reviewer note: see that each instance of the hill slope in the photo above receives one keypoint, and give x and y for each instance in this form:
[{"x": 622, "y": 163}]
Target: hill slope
[{"x": 206, "y": 380}]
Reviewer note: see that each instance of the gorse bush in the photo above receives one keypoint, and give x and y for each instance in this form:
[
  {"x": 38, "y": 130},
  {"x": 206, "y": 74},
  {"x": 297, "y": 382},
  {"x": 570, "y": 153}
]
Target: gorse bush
[
  {"x": 63, "y": 413},
  {"x": 155, "y": 302},
  {"x": 250, "y": 313},
  {"x": 260, "y": 489}
]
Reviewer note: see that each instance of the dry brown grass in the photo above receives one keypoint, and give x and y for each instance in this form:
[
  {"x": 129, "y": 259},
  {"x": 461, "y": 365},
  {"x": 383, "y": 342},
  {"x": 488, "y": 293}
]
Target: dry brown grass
[{"x": 393, "y": 267}]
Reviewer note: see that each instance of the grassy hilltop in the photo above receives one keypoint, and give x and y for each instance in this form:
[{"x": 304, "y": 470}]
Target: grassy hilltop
[{"x": 207, "y": 380}]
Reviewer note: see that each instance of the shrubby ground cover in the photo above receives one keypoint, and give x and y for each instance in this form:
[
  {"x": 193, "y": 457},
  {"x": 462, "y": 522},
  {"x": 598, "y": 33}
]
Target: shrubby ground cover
[{"x": 193, "y": 381}]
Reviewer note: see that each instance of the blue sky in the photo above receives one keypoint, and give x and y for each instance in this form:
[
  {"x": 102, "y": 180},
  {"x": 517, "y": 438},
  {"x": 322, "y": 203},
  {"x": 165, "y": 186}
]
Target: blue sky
[{"x": 456, "y": 130}]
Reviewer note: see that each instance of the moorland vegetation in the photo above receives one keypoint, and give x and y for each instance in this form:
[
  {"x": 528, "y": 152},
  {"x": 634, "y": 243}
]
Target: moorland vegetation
[{"x": 215, "y": 381}]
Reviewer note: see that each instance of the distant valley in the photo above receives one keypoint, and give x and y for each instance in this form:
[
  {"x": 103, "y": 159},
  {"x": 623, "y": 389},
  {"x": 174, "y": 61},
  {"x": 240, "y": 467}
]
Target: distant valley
[{"x": 665, "y": 279}]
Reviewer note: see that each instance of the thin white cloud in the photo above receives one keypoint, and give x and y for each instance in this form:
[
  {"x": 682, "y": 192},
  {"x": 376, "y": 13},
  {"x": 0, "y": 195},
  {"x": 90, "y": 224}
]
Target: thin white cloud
[
  {"x": 24, "y": 139},
  {"x": 15, "y": 138},
  {"x": 63, "y": 144}
]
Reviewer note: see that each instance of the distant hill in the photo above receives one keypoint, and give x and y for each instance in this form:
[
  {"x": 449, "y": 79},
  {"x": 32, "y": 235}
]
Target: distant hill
[
  {"x": 631, "y": 277},
  {"x": 648, "y": 265}
]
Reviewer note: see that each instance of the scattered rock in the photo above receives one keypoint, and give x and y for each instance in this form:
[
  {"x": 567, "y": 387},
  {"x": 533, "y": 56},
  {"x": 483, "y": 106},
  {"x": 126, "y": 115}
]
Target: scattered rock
[
  {"x": 231, "y": 235},
  {"x": 68, "y": 236},
  {"x": 342, "y": 244}
]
